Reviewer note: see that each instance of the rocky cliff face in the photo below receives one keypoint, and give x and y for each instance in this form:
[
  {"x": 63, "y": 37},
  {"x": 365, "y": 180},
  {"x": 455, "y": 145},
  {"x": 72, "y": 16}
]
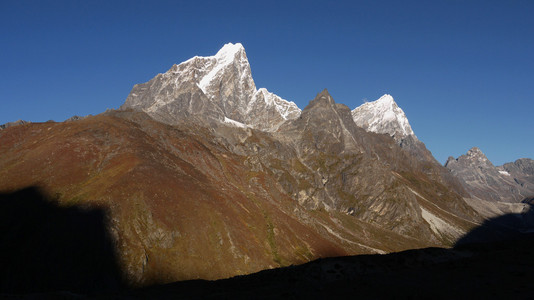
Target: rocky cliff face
[
  {"x": 509, "y": 183},
  {"x": 522, "y": 170},
  {"x": 215, "y": 88}
]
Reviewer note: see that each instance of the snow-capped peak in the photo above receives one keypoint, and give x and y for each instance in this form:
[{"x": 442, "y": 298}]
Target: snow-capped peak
[
  {"x": 383, "y": 116},
  {"x": 218, "y": 87},
  {"x": 386, "y": 99},
  {"x": 227, "y": 53}
]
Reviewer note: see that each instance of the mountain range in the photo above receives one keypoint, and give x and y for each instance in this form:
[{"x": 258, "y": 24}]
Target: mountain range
[{"x": 204, "y": 176}]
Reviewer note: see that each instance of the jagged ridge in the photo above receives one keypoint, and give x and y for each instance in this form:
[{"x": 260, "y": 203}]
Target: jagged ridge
[{"x": 218, "y": 87}]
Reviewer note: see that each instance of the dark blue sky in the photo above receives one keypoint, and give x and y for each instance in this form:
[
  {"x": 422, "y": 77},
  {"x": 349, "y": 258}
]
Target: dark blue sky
[{"x": 463, "y": 71}]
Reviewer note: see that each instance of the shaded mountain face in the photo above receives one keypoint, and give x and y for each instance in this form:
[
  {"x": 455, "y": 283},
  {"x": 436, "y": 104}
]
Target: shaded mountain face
[
  {"x": 215, "y": 88},
  {"x": 512, "y": 182}
]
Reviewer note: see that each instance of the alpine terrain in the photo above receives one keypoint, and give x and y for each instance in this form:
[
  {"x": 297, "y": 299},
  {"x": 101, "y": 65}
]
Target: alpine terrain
[
  {"x": 494, "y": 189},
  {"x": 200, "y": 175}
]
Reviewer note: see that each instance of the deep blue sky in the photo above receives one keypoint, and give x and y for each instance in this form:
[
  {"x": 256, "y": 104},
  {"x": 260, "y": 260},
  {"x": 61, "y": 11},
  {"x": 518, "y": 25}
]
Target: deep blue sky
[{"x": 463, "y": 71}]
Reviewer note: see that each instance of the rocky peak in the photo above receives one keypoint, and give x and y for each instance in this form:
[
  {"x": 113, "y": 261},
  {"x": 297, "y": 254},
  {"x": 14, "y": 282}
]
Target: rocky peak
[
  {"x": 322, "y": 99},
  {"x": 485, "y": 181},
  {"x": 11, "y": 124},
  {"x": 383, "y": 116},
  {"x": 476, "y": 154},
  {"x": 327, "y": 126},
  {"x": 474, "y": 157},
  {"x": 522, "y": 165},
  {"x": 218, "y": 87}
]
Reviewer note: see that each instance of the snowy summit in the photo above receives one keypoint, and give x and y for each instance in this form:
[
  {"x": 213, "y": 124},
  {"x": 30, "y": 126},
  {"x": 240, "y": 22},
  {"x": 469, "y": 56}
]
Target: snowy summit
[
  {"x": 218, "y": 87},
  {"x": 383, "y": 116}
]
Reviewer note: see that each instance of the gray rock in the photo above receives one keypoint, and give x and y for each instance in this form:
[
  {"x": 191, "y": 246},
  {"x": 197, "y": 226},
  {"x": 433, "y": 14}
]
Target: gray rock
[
  {"x": 10, "y": 124},
  {"x": 509, "y": 183}
]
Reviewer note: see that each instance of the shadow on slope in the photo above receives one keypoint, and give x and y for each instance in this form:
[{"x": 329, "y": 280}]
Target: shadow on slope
[
  {"x": 503, "y": 228},
  {"x": 492, "y": 261},
  {"x": 45, "y": 248}
]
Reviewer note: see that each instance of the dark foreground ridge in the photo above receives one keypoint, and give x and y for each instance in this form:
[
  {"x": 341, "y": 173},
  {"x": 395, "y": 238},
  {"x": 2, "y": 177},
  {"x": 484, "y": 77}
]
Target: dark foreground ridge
[{"x": 480, "y": 271}]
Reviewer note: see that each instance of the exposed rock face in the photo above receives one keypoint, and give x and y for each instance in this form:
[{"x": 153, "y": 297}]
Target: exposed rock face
[
  {"x": 509, "y": 183},
  {"x": 217, "y": 87},
  {"x": 522, "y": 170},
  {"x": 324, "y": 161},
  {"x": 386, "y": 117}
]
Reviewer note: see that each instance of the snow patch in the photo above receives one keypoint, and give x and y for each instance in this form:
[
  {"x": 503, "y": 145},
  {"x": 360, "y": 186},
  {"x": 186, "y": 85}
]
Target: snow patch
[
  {"x": 234, "y": 123},
  {"x": 504, "y": 173}
]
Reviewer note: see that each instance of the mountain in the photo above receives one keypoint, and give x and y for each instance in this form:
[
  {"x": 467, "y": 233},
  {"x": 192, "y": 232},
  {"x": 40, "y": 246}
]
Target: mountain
[
  {"x": 201, "y": 175},
  {"x": 10, "y": 124},
  {"x": 215, "y": 88},
  {"x": 522, "y": 170},
  {"x": 511, "y": 183},
  {"x": 383, "y": 116},
  {"x": 189, "y": 201}
]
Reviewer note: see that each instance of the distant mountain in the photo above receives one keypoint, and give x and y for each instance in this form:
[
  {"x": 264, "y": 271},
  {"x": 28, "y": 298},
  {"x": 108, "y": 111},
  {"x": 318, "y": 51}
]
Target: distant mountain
[
  {"x": 215, "y": 88},
  {"x": 512, "y": 182},
  {"x": 384, "y": 116},
  {"x": 10, "y": 124}
]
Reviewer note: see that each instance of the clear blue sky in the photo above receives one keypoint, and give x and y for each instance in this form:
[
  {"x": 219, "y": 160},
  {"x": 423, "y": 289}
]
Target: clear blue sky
[{"x": 463, "y": 71}]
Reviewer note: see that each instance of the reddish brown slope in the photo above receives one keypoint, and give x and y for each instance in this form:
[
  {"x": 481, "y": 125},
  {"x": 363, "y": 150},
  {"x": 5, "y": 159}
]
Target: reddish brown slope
[{"x": 181, "y": 205}]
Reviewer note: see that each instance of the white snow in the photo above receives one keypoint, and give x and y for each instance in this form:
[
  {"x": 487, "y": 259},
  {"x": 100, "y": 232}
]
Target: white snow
[
  {"x": 282, "y": 106},
  {"x": 234, "y": 123},
  {"x": 223, "y": 58},
  {"x": 381, "y": 115},
  {"x": 504, "y": 173}
]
